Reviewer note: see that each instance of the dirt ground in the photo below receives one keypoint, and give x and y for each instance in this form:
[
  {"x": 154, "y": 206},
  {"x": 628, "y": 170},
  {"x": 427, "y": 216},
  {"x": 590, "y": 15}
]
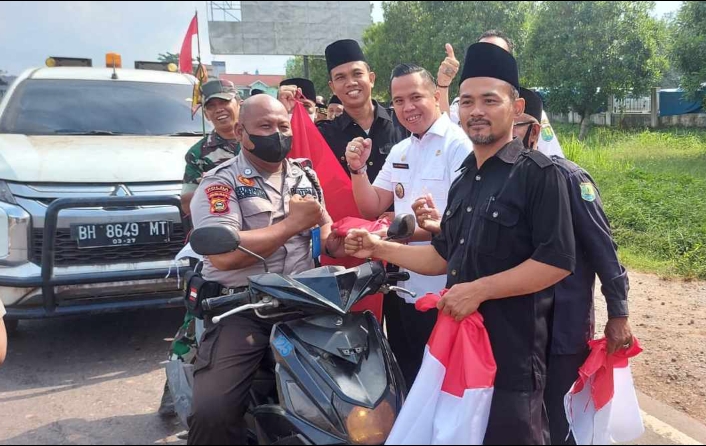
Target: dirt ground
[{"x": 669, "y": 319}]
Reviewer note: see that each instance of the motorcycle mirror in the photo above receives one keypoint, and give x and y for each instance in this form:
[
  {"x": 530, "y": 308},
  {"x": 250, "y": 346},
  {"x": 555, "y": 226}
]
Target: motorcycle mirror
[
  {"x": 402, "y": 227},
  {"x": 214, "y": 240}
]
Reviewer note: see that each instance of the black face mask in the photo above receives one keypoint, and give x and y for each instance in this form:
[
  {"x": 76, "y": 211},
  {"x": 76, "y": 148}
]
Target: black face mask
[{"x": 273, "y": 148}]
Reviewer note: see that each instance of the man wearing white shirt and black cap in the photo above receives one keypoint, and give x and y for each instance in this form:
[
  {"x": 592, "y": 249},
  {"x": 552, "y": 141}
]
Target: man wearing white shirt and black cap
[{"x": 423, "y": 165}]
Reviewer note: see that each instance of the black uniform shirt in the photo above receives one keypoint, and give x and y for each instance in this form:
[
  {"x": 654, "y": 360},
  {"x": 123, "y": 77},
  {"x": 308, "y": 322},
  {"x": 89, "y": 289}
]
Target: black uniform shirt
[
  {"x": 574, "y": 322},
  {"x": 515, "y": 208},
  {"x": 383, "y": 133}
]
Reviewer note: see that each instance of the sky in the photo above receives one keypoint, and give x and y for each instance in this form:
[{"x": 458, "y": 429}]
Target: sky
[{"x": 32, "y": 31}]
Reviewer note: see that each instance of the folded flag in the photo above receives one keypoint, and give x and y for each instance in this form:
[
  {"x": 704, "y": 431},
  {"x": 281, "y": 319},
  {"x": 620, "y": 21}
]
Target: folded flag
[
  {"x": 602, "y": 406},
  {"x": 450, "y": 400}
]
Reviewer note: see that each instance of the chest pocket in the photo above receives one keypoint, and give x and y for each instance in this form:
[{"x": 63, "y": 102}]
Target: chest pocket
[
  {"x": 451, "y": 222},
  {"x": 497, "y": 223},
  {"x": 257, "y": 213}
]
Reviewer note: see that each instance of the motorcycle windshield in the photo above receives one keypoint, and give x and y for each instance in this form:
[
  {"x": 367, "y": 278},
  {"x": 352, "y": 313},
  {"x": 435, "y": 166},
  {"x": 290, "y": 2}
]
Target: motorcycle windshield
[{"x": 333, "y": 288}]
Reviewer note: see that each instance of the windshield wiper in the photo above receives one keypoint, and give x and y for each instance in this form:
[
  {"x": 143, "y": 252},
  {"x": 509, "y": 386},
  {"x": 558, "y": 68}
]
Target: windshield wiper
[
  {"x": 187, "y": 134},
  {"x": 89, "y": 132}
]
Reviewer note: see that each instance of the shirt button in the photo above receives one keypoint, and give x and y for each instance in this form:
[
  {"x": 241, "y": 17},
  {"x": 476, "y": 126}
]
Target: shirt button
[
  {"x": 454, "y": 273},
  {"x": 370, "y": 163},
  {"x": 478, "y": 177},
  {"x": 469, "y": 209},
  {"x": 463, "y": 241},
  {"x": 448, "y": 213},
  {"x": 495, "y": 214}
]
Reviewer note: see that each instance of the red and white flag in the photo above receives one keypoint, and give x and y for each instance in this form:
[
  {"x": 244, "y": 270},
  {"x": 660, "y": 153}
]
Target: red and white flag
[
  {"x": 602, "y": 406},
  {"x": 450, "y": 400}
]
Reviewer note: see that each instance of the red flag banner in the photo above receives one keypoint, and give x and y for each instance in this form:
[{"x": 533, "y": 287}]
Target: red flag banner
[
  {"x": 185, "y": 56},
  {"x": 307, "y": 142}
]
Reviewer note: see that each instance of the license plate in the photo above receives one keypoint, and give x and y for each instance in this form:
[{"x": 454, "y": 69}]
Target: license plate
[{"x": 121, "y": 234}]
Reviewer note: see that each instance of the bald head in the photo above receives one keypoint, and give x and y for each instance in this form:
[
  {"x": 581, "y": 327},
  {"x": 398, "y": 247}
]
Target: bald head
[{"x": 256, "y": 107}]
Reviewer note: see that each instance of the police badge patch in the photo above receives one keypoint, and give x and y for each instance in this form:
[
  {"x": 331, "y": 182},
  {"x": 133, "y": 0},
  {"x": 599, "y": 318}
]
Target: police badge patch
[
  {"x": 588, "y": 192},
  {"x": 399, "y": 190},
  {"x": 219, "y": 197}
]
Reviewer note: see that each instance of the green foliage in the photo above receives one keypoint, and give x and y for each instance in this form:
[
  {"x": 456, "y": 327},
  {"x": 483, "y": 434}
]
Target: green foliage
[
  {"x": 652, "y": 185},
  {"x": 689, "y": 47},
  {"x": 583, "y": 53},
  {"x": 168, "y": 57},
  {"x": 416, "y": 32}
]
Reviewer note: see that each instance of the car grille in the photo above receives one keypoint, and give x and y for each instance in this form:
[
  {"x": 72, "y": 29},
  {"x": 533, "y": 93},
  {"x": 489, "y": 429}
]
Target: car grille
[{"x": 68, "y": 254}]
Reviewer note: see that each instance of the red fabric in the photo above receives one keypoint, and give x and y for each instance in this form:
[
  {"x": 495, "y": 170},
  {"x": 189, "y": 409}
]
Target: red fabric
[
  {"x": 462, "y": 347},
  {"x": 341, "y": 227},
  {"x": 308, "y": 143},
  {"x": 185, "y": 56},
  {"x": 600, "y": 365}
]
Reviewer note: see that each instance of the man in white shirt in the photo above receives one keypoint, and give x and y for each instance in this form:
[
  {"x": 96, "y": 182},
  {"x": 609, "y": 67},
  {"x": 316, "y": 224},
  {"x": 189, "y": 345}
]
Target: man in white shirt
[
  {"x": 3, "y": 334},
  {"x": 423, "y": 165}
]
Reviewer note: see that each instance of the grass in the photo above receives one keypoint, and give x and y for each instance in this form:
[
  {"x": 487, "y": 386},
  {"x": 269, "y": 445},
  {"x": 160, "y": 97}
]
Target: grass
[{"x": 653, "y": 185}]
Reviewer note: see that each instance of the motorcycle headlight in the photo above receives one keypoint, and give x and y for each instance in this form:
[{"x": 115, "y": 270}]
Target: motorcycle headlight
[
  {"x": 368, "y": 426},
  {"x": 5, "y": 194}
]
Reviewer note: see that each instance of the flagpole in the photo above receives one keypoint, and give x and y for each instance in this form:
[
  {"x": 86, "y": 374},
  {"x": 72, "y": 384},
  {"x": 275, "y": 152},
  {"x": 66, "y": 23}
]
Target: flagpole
[{"x": 198, "y": 58}]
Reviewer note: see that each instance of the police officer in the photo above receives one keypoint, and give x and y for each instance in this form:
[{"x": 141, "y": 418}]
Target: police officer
[
  {"x": 222, "y": 108},
  {"x": 574, "y": 319},
  {"x": 506, "y": 238},
  {"x": 273, "y": 203},
  {"x": 426, "y": 163},
  {"x": 352, "y": 81}
]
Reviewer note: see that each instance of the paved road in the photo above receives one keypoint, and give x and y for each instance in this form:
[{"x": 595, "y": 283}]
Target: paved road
[{"x": 99, "y": 380}]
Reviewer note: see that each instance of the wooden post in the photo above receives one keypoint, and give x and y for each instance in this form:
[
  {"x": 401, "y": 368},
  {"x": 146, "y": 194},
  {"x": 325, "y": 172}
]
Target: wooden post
[{"x": 654, "y": 106}]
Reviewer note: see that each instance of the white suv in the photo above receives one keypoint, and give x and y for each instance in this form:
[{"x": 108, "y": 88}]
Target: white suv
[{"x": 91, "y": 164}]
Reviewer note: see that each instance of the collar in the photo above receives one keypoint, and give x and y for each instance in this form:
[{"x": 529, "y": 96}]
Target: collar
[
  {"x": 509, "y": 154},
  {"x": 439, "y": 128},
  {"x": 290, "y": 168},
  {"x": 216, "y": 140},
  {"x": 380, "y": 112}
]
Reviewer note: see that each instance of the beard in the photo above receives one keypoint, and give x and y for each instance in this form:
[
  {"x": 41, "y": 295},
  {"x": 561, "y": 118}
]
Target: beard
[{"x": 481, "y": 140}]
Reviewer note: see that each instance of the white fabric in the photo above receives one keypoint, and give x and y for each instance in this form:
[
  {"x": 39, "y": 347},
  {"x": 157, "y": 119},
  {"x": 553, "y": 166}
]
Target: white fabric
[
  {"x": 2, "y": 310},
  {"x": 433, "y": 417},
  {"x": 619, "y": 421},
  {"x": 433, "y": 162},
  {"x": 548, "y": 142}
]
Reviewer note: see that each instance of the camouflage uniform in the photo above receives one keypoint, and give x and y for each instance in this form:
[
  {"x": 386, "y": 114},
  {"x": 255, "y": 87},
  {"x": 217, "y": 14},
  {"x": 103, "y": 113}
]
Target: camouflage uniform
[{"x": 205, "y": 155}]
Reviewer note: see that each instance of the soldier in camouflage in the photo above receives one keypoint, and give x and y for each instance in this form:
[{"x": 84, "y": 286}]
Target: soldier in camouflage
[{"x": 222, "y": 109}]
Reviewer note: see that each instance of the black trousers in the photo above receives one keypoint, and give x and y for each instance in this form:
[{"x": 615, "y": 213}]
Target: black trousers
[
  {"x": 517, "y": 418},
  {"x": 408, "y": 332},
  {"x": 562, "y": 372},
  {"x": 227, "y": 359}
]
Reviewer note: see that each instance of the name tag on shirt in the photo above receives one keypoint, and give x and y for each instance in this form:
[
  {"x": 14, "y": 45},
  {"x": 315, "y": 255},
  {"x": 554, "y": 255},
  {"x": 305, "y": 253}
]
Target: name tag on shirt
[
  {"x": 400, "y": 166},
  {"x": 249, "y": 192}
]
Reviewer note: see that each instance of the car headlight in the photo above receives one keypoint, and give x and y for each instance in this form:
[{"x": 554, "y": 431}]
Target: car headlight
[{"x": 5, "y": 194}]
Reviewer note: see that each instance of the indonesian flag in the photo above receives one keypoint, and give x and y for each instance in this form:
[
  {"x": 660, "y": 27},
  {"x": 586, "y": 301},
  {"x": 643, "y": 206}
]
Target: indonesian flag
[
  {"x": 602, "y": 406},
  {"x": 450, "y": 400},
  {"x": 185, "y": 56},
  {"x": 307, "y": 142}
]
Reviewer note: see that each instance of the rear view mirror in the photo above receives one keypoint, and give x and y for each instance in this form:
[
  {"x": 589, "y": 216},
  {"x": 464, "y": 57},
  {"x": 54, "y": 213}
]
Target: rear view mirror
[
  {"x": 402, "y": 227},
  {"x": 214, "y": 240}
]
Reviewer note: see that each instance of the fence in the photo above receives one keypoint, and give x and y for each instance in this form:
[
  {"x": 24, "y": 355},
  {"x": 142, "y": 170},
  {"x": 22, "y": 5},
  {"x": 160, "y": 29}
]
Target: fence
[{"x": 662, "y": 108}]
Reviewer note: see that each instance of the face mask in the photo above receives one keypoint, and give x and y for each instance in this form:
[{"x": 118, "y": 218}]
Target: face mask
[
  {"x": 313, "y": 117},
  {"x": 526, "y": 141},
  {"x": 273, "y": 148}
]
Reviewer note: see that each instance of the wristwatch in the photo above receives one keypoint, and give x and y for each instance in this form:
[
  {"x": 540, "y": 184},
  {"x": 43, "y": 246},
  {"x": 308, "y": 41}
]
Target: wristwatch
[{"x": 360, "y": 171}]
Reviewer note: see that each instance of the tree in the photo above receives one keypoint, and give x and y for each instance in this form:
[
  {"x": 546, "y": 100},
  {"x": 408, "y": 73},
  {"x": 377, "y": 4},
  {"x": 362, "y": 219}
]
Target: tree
[
  {"x": 168, "y": 57},
  {"x": 582, "y": 53},
  {"x": 317, "y": 73},
  {"x": 689, "y": 47},
  {"x": 416, "y": 32}
]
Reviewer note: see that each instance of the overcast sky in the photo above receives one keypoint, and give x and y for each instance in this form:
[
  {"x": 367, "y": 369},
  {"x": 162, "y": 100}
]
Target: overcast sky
[{"x": 32, "y": 31}]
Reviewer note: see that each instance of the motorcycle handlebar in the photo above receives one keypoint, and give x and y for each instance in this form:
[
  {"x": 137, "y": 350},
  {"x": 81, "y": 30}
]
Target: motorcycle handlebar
[{"x": 232, "y": 299}]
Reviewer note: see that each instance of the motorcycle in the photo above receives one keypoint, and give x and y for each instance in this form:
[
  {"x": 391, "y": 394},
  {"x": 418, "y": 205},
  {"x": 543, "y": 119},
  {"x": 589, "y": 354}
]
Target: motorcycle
[{"x": 331, "y": 377}]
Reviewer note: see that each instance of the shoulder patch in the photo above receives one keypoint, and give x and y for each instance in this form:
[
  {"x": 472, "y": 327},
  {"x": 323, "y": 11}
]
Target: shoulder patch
[
  {"x": 588, "y": 192},
  {"x": 219, "y": 198},
  {"x": 540, "y": 159}
]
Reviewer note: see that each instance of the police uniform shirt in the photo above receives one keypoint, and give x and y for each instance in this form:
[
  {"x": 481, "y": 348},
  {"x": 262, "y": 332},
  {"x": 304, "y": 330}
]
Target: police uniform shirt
[
  {"x": 514, "y": 208},
  {"x": 383, "y": 133},
  {"x": 237, "y": 195},
  {"x": 596, "y": 254},
  {"x": 420, "y": 166}
]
